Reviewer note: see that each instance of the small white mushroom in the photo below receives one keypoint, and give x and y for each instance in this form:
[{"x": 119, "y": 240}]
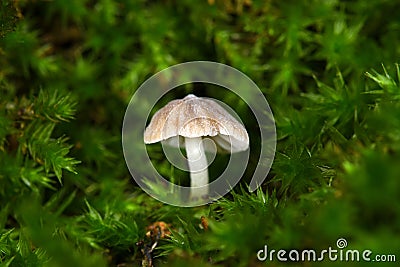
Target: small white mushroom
[{"x": 187, "y": 121}]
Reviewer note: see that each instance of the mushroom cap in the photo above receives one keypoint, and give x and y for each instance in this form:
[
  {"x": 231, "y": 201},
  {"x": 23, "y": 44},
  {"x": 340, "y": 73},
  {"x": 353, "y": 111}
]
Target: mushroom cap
[{"x": 195, "y": 116}]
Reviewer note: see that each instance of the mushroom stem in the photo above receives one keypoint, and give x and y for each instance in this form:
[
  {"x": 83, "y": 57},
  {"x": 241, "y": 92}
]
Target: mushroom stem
[{"x": 197, "y": 165}]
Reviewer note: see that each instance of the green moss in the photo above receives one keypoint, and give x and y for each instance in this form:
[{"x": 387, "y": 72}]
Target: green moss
[{"x": 69, "y": 68}]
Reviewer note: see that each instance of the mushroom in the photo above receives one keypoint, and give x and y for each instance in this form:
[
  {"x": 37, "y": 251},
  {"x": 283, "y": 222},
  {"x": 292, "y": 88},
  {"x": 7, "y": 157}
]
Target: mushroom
[{"x": 186, "y": 121}]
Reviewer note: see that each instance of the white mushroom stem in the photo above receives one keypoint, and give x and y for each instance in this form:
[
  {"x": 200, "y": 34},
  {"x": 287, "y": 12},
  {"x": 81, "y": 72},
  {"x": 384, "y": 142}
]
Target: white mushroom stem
[{"x": 197, "y": 165}]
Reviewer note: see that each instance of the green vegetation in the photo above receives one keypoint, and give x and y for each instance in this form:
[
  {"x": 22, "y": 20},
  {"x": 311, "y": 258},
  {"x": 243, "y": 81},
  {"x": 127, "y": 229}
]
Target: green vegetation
[{"x": 68, "y": 69}]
